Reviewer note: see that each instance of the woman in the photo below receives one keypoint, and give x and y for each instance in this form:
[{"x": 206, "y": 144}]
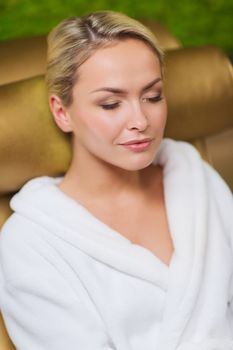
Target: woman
[{"x": 132, "y": 247}]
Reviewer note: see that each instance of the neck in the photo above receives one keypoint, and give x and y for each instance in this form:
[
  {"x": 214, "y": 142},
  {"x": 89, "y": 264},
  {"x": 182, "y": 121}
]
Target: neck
[{"x": 97, "y": 178}]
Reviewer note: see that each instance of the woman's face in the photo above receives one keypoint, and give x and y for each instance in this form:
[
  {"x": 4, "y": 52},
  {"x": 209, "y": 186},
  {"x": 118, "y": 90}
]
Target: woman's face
[{"x": 118, "y": 99}]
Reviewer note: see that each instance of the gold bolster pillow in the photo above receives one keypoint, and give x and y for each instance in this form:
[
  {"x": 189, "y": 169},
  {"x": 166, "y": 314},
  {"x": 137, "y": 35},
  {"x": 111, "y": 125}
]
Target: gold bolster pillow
[
  {"x": 199, "y": 89},
  {"x": 30, "y": 143}
]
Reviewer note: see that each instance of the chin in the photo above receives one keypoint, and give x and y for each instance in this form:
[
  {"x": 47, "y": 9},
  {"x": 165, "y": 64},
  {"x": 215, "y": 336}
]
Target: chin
[{"x": 137, "y": 164}]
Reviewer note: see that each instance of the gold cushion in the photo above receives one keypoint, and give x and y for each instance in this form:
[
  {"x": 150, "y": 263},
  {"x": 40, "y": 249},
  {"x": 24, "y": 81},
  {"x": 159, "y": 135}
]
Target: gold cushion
[
  {"x": 199, "y": 90},
  {"x": 5, "y": 210},
  {"x": 5, "y": 342},
  {"x": 30, "y": 143},
  {"x": 166, "y": 40},
  {"x": 22, "y": 58}
]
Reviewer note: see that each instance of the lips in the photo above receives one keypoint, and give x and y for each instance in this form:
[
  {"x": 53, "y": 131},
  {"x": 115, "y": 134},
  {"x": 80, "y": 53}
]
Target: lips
[
  {"x": 137, "y": 145},
  {"x": 131, "y": 142}
]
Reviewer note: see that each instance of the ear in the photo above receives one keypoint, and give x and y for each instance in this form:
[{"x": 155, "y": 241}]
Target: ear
[{"x": 60, "y": 114}]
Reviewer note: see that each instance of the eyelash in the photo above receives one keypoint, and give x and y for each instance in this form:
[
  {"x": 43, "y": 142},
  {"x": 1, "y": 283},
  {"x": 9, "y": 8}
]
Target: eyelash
[{"x": 109, "y": 106}]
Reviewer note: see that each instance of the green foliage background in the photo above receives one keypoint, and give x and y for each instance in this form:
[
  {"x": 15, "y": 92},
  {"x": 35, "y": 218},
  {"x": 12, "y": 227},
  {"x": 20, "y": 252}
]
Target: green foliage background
[{"x": 194, "y": 22}]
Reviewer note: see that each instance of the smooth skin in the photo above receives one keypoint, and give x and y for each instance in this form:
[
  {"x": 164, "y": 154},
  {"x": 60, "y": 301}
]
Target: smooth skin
[{"x": 118, "y": 97}]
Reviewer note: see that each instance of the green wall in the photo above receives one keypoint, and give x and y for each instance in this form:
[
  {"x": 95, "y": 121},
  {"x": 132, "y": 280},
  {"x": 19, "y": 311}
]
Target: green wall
[{"x": 194, "y": 22}]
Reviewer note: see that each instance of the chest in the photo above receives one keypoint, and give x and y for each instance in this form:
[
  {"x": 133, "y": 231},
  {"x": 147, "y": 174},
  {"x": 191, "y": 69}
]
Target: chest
[
  {"x": 146, "y": 226},
  {"x": 142, "y": 220}
]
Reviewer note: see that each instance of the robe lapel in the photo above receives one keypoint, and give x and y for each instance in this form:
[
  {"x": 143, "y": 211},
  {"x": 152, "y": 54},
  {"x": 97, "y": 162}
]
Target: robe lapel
[
  {"x": 119, "y": 253},
  {"x": 78, "y": 227},
  {"x": 187, "y": 205}
]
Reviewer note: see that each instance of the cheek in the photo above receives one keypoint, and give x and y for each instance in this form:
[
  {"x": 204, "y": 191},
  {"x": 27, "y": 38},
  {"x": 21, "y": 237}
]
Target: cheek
[{"x": 102, "y": 125}]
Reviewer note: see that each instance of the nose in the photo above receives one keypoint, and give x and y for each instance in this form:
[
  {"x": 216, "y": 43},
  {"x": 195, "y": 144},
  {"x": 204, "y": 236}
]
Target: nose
[{"x": 138, "y": 119}]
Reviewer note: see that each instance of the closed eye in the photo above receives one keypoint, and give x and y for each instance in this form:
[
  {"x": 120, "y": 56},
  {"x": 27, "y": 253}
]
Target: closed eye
[
  {"x": 108, "y": 106},
  {"x": 153, "y": 99}
]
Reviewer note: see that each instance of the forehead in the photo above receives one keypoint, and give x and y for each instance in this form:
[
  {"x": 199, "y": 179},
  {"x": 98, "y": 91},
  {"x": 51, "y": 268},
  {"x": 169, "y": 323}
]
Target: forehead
[{"x": 130, "y": 60}]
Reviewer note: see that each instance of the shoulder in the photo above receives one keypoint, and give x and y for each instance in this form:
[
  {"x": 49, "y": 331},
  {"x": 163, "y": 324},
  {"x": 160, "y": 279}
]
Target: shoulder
[
  {"x": 177, "y": 155},
  {"x": 23, "y": 230},
  {"x": 221, "y": 195},
  {"x": 184, "y": 166},
  {"x": 184, "y": 153},
  {"x": 27, "y": 205},
  {"x": 28, "y": 239},
  {"x": 32, "y": 191},
  {"x": 181, "y": 149},
  {"x": 23, "y": 251}
]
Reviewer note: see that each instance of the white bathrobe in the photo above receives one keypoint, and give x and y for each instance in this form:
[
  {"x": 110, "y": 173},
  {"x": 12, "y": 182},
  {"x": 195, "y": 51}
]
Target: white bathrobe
[{"x": 70, "y": 282}]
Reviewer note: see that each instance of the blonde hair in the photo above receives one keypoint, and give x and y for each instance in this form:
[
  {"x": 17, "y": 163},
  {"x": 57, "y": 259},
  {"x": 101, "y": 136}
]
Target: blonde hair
[{"x": 73, "y": 41}]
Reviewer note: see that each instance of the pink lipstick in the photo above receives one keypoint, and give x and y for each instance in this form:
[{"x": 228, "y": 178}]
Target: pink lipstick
[{"x": 137, "y": 146}]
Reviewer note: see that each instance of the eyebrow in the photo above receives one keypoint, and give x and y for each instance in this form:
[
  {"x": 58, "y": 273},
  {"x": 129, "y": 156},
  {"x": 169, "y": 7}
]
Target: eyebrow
[{"x": 120, "y": 91}]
